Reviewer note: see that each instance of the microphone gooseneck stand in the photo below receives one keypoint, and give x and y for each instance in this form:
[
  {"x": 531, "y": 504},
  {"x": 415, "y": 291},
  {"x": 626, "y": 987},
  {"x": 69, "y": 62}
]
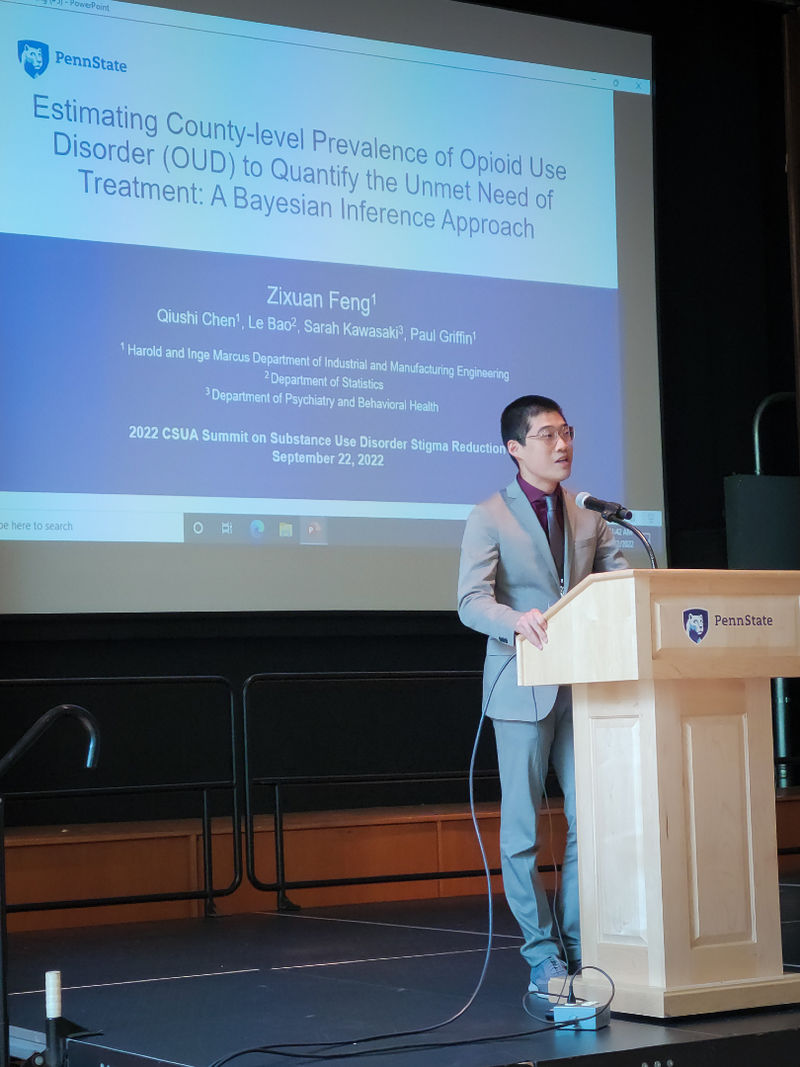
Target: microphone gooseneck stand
[
  {"x": 618, "y": 513},
  {"x": 635, "y": 530}
]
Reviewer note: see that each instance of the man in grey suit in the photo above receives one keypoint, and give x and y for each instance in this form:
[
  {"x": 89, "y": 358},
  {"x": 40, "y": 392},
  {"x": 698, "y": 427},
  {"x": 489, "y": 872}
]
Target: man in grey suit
[{"x": 523, "y": 548}]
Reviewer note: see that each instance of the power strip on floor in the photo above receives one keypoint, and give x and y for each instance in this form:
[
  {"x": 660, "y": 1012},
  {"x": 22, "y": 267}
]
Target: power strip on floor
[{"x": 586, "y": 1016}]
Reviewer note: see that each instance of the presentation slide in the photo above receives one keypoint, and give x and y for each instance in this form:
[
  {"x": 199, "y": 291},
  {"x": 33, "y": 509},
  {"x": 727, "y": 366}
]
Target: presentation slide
[{"x": 268, "y": 287}]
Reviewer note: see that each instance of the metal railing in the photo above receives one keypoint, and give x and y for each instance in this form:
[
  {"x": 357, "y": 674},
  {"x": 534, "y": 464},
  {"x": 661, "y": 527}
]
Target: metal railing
[
  {"x": 203, "y": 788},
  {"x": 15, "y": 753},
  {"x": 278, "y": 784}
]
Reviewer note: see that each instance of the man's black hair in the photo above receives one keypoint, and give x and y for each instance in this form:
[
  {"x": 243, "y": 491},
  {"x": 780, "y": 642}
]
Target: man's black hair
[{"x": 516, "y": 418}]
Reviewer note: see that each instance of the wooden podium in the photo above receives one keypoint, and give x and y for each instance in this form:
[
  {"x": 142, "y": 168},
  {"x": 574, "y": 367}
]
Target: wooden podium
[{"x": 675, "y": 791}]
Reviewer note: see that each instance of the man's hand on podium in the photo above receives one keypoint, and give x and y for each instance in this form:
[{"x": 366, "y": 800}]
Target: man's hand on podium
[{"x": 533, "y": 627}]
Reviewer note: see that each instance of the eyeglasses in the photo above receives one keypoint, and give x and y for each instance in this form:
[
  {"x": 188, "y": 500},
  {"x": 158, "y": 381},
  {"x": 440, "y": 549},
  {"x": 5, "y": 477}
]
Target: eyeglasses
[{"x": 550, "y": 433}]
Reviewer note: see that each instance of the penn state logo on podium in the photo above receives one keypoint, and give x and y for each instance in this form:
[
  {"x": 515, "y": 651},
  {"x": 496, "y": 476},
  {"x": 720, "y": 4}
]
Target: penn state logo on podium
[
  {"x": 695, "y": 623},
  {"x": 34, "y": 57}
]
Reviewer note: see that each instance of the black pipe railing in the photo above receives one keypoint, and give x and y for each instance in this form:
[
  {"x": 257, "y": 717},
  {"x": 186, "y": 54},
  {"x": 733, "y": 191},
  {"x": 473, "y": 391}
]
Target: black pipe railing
[
  {"x": 281, "y": 884},
  {"x": 42, "y": 724},
  {"x": 229, "y": 786},
  {"x": 278, "y": 784},
  {"x": 14, "y": 754},
  {"x": 208, "y": 893},
  {"x": 242, "y": 790}
]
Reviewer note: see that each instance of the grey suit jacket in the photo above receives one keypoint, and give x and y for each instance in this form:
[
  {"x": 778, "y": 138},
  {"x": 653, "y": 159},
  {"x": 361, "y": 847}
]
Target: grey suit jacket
[{"x": 506, "y": 569}]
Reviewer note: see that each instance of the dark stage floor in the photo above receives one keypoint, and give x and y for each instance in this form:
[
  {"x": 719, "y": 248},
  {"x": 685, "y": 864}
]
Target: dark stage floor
[{"x": 191, "y": 992}]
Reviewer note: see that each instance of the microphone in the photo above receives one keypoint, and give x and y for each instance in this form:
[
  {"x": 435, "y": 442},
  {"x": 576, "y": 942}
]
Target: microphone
[{"x": 607, "y": 508}]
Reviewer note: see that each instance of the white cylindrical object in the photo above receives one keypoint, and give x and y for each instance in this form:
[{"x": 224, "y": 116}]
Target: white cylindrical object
[{"x": 52, "y": 994}]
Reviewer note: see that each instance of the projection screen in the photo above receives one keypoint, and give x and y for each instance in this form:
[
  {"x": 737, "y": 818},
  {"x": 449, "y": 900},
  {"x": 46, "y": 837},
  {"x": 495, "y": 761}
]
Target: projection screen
[{"x": 270, "y": 274}]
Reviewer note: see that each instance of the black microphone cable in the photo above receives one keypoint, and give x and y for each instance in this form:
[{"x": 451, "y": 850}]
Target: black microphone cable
[
  {"x": 333, "y": 1050},
  {"x": 325, "y": 1047}
]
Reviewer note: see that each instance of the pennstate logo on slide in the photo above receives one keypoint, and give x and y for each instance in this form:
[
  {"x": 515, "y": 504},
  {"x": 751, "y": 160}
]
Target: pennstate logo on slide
[
  {"x": 34, "y": 57},
  {"x": 695, "y": 623}
]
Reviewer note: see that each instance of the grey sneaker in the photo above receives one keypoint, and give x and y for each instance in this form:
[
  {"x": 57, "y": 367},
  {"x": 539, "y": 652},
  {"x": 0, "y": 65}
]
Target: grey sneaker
[{"x": 542, "y": 973}]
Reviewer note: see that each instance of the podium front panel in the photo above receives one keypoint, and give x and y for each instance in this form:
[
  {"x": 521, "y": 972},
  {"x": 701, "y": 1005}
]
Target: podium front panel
[{"x": 676, "y": 828}]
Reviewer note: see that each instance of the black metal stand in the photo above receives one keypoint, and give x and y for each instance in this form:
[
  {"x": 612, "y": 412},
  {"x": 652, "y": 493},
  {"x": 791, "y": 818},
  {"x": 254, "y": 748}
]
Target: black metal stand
[
  {"x": 30, "y": 737},
  {"x": 635, "y": 530}
]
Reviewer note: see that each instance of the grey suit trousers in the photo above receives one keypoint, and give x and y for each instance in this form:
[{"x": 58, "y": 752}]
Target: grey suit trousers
[{"x": 524, "y": 750}]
